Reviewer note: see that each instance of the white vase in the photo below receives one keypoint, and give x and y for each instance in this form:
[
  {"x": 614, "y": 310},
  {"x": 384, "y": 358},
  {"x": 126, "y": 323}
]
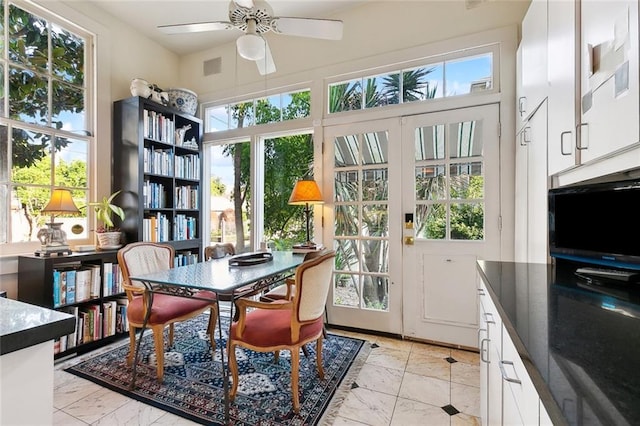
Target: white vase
[{"x": 140, "y": 87}]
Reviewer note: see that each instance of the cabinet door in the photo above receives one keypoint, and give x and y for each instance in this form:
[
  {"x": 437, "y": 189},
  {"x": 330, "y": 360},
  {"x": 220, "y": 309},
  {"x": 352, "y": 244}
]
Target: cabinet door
[
  {"x": 491, "y": 379},
  {"x": 518, "y": 387},
  {"x": 531, "y": 189},
  {"x": 609, "y": 77},
  {"x": 562, "y": 81},
  {"x": 533, "y": 51}
]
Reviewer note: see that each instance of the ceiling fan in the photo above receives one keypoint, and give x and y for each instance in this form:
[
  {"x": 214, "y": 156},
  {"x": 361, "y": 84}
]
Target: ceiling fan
[{"x": 254, "y": 18}]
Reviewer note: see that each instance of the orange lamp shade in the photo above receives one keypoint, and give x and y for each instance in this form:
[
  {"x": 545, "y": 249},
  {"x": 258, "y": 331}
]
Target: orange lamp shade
[
  {"x": 306, "y": 192},
  {"x": 61, "y": 202}
]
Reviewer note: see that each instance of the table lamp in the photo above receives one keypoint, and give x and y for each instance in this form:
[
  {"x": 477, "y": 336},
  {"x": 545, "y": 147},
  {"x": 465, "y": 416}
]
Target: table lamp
[
  {"x": 306, "y": 192},
  {"x": 53, "y": 238}
]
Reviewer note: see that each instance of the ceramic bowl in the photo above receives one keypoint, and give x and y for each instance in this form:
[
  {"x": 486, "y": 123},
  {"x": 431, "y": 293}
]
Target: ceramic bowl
[{"x": 183, "y": 100}]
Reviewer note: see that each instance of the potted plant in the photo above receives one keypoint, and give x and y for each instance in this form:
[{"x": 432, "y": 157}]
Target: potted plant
[{"x": 109, "y": 237}]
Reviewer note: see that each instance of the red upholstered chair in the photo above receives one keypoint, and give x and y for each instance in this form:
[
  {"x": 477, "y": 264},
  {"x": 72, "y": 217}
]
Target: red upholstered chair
[
  {"x": 146, "y": 257},
  {"x": 286, "y": 324}
]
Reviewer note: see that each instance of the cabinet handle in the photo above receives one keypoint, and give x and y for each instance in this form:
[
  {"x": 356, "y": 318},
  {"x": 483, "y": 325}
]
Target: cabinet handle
[
  {"x": 482, "y": 351},
  {"x": 486, "y": 318},
  {"x": 582, "y": 137},
  {"x": 504, "y": 373},
  {"x": 562, "y": 144},
  {"x": 481, "y": 292},
  {"x": 521, "y": 105},
  {"x": 525, "y": 136}
]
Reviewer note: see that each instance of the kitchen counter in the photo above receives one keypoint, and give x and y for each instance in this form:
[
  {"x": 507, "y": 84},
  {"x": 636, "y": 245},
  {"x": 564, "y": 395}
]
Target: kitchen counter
[
  {"x": 580, "y": 342},
  {"x": 23, "y": 325},
  {"x": 27, "y": 333}
]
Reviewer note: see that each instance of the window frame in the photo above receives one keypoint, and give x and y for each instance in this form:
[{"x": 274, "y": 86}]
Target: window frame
[{"x": 78, "y": 24}]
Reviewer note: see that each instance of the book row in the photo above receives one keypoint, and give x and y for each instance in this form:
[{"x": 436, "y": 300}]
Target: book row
[
  {"x": 158, "y": 127},
  {"x": 94, "y": 322},
  {"x": 77, "y": 282}
]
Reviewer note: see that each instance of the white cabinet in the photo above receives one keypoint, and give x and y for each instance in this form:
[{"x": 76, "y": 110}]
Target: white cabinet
[
  {"x": 562, "y": 99},
  {"x": 531, "y": 83},
  {"x": 531, "y": 189},
  {"x": 507, "y": 393},
  {"x": 490, "y": 340},
  {"x": 609, "y": 83}
]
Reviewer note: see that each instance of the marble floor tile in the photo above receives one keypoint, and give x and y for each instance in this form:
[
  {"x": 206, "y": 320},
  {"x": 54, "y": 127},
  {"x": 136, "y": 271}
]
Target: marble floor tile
[
  {"x": 341, "y": 421},
  {"x": 73, "y": 390},
  {"x": 466, "y": 374},
  {"x": 466, "y": 398},
  {"x": 392, "y": 343},
  {"x": 96, "y": 405},
  {"x": 428, "y": 390},
  {"x": 369, "y": 407},
  {"x": 427, "y": 364},
  {"x": 462, "y": 419},
  {"x": 60, "y": 418},
  {"x": 132, "y": 413},
  {"x": 381, "y": 379},
  {"x": 409, "y": 413},
  {"x": 169, "y": 419},
  {"x": 388, "y": 358},
  {"x": 433, "y": 350}
]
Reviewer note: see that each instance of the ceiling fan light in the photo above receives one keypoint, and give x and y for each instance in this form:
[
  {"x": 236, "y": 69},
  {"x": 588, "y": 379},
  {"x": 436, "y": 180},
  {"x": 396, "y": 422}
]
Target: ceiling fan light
[{"x": 251, "y": 47}]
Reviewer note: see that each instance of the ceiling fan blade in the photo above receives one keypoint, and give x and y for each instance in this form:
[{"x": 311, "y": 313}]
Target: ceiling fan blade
[
  {"x": 195, "y": 27},
  {"x": 266, "y": 64},
  {"x": 327, "y": 29},
  {"x": 247, "y": 4}
]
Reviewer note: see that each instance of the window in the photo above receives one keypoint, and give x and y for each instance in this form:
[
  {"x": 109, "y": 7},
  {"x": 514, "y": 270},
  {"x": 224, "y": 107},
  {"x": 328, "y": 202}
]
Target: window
[
  {"x": 251, "y": 177},
  {"x": 455, "y": 77},
  {"x": 45, "y": 135},
  {"x": 269, "y": 109}
]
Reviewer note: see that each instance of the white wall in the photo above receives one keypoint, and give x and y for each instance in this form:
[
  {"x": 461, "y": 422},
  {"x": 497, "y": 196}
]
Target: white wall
[{"x": 369, "y": 30}]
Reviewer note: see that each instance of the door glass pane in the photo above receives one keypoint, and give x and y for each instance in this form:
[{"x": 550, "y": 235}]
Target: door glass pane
[
  {"x": 375, "y": 147},
  {"x": 346, "y": 186},
  {"x": 346, "y": 149},
  {"x": 375, "y": 184},
  {"x": 346, "y": 220},
  {"x": 375, "y": 220},
  {"x": 375, "y": 254},
  {"x": 467, "y": 221},
  {"x": 465, "y": 139},
  {"x": 430, "y": 182},
  {"x": 467, "y": 181},
  {"x": 430, "y": 143},
  {"x": 431, "y": 221},
  {"x": 376, "y": 292},
  {"x": 347, "y": 257},
  {"x": 346, "y": 290}
]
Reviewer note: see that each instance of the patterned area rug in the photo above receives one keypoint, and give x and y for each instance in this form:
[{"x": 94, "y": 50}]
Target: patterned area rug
[{"x": 193, "y": 384}]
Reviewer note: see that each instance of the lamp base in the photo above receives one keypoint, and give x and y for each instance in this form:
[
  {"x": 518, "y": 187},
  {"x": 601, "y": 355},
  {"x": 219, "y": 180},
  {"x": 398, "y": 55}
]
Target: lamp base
[{"x": 46, "y": 251}]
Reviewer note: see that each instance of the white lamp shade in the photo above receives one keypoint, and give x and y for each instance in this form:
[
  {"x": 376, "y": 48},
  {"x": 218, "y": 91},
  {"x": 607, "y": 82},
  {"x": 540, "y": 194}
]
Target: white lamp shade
[{"x": 251, "y": 47}]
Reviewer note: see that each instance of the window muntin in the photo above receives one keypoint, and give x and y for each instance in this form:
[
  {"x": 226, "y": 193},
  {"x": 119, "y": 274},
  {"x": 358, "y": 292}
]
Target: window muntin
[
  {"x": 434, "y": 80},
  {"x": 46, "y": 141}
]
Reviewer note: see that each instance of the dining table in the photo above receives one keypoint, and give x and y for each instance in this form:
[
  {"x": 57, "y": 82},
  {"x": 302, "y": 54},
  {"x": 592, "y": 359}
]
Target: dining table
[{"x": 229, "y": 278}]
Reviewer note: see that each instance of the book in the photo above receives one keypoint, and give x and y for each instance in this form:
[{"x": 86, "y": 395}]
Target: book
[
  {"x": 303, "y": 248},
  {"x": 95, "y": 281},
  {"x": 83, "y": 284},
  {"x": 71, "y": 286},
  {"x": 56, "y": 288}
]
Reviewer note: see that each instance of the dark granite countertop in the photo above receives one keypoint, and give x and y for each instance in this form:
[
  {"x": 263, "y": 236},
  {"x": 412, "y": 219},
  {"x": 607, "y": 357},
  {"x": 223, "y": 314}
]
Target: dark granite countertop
[
  {"x": 580, "y": 342},
  {"x": 23, "y": 325}
]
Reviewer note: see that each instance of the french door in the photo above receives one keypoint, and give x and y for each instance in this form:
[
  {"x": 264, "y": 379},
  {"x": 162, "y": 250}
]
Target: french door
[{"x": 413, "y": 203}]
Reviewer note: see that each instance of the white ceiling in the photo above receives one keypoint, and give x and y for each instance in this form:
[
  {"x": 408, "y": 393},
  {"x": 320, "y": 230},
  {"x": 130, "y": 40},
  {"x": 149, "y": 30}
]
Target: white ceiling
[{"x": 146, "y": 15}]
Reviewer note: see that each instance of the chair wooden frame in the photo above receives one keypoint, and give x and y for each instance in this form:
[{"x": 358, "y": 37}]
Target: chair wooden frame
[
  {"x": 298, "y": 324},
  {"x": 138, "y": 297}
]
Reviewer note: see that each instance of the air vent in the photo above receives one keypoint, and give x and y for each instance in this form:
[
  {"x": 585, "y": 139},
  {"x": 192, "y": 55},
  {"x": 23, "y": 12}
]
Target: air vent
[{"x": 212, "y": 66}]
